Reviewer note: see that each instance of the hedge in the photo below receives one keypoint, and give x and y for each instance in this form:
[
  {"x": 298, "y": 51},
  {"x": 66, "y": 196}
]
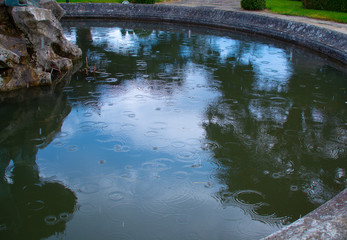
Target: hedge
[{"x": 331, "y": 5}]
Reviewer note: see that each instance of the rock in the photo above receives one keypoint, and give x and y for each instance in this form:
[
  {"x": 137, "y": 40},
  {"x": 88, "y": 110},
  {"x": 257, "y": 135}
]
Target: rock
[
  {"x": 33, "y": 48},
  {"x": 25, "y": 76},
  {"x": 15, "y": 44},
  {"x": 56, "y": 9},
  {"x": 8, "y": 59},
  {"x": 45, "y": 34}
]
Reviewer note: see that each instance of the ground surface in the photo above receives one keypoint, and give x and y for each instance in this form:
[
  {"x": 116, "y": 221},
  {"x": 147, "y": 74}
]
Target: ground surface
[{"x": 234, "y": 5}]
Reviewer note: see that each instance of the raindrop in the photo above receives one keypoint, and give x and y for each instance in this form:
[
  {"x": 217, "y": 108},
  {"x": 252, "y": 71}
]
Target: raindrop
[
  {"x": 72, "y": 148},
  {"x": 116, "y": 196},
  {"x": 187, "y": 156},
  {"x": 65, "y": 216},
  {"x": 87, "y": 114},
  {"x": 62, "y": 134},
  {"x": 249, "y": 197},
  {"x": 178, "y": 144},
  {"x": 140, "y": 96},
  {"x": 152, "y": 133},
  {"x": 51, "y": 220},
  {"x": 210, "y": 145},
  {"x": 276, "y": 175},
  {"x": 59, "y": 144},
  {"x": 293, "y": 188},
  {"x": 111, "y": 80},
  {"x": 119, "y": 74},
  {"x": 127, "y": 127},
  {"x": 89, "y": 188},
  {"x": 104, "y": 74},
  {"x": 121, "y": 148},
  {"x": 36, "y": 205},
  {"x": 100, "y": 125}
]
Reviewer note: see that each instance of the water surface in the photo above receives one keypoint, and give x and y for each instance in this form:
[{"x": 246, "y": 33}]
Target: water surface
[{"x": 182, "y": 133}]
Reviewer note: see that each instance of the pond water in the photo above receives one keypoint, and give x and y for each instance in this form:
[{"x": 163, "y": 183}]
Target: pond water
[{"x": 182, "y": 133}]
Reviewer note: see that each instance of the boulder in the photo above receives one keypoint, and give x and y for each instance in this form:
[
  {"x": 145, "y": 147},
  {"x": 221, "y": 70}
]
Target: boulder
[
  {"x": 33, "y": 47},
  {"x": 56, "y": 9}
]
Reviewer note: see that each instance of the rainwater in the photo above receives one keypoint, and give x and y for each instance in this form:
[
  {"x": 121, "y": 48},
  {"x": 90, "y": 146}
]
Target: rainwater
[{"x": 180, "y": 133}]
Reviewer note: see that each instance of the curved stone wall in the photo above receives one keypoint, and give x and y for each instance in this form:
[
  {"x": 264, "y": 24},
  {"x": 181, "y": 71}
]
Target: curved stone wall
[{"x": 322, "y": 40}]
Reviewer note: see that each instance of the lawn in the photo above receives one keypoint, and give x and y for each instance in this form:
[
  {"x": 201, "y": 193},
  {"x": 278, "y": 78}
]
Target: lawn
[{"x": 288, "y": 7}]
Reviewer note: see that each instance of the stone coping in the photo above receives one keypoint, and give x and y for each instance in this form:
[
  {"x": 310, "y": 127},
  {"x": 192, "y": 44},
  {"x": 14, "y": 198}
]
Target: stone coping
[
  {"x": 329, "y": 221},
  {"x": 322, "y": 40}
]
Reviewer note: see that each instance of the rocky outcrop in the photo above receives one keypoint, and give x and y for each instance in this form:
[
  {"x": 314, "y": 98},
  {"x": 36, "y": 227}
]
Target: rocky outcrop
[{"x": 33, "y": 49}]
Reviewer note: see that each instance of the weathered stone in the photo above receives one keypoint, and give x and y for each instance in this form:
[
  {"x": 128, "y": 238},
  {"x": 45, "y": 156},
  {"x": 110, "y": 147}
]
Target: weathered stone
[
  {"x": 24, "y": 76},
  {"x": 56, "y": 9},
  {"x": 45, "y": 34},
  {"x": 329, "y": 221},
  {"x": 8, "y": 58},
  {"x": 15, "y": 44},
  {"x": 32, "y": 46}
]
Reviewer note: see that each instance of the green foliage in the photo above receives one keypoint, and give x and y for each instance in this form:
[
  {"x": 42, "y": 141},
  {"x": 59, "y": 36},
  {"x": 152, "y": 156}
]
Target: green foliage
[
  {"x": 253, "y": 4},
  {"x": 143, "y": 1},
  {"x": 332, "y": 5}
]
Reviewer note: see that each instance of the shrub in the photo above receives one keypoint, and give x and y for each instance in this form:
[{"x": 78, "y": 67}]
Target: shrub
[
  {"x": 143, "y": 1},
  {"x": 332, "y": 5},
  {"x": 253, "y": 4}
]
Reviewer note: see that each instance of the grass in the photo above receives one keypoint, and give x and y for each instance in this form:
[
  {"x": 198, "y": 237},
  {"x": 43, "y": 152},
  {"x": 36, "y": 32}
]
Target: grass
[{"x": 295, "y": 8}]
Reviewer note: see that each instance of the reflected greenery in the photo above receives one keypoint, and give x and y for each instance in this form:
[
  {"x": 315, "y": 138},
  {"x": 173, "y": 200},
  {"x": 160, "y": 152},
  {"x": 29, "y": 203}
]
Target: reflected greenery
[
  {"x": 31, "y": 207},
  {"x": 288, "y": 144}
]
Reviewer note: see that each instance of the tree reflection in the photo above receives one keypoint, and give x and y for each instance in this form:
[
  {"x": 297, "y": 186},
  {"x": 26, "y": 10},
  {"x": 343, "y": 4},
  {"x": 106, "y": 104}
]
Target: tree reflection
[
  {"x": 31, "y": 207},
  {"x": 282, "y": 152}
]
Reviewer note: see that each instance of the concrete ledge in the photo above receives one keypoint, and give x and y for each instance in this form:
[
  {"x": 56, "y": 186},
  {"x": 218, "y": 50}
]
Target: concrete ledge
[
  {"x": 328, "y": 42},
  {"x": 329, "y": 221}
]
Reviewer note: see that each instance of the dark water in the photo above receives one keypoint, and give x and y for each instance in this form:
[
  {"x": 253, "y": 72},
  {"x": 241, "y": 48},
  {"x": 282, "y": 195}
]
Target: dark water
[{"x": 183, "y": 133}]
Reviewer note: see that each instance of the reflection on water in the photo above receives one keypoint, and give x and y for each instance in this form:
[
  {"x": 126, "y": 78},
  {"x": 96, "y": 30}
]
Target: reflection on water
[
  {"x": 31, "y": 206},
  {"x": 181, "y": 133}
]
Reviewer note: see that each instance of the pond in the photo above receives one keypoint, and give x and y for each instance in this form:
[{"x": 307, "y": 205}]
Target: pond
[{"x": 181, "y": 133}]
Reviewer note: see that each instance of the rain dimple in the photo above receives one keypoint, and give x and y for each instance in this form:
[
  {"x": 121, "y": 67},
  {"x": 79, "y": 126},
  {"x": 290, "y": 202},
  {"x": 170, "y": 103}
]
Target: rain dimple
[{"x": 51, "y": 220}]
